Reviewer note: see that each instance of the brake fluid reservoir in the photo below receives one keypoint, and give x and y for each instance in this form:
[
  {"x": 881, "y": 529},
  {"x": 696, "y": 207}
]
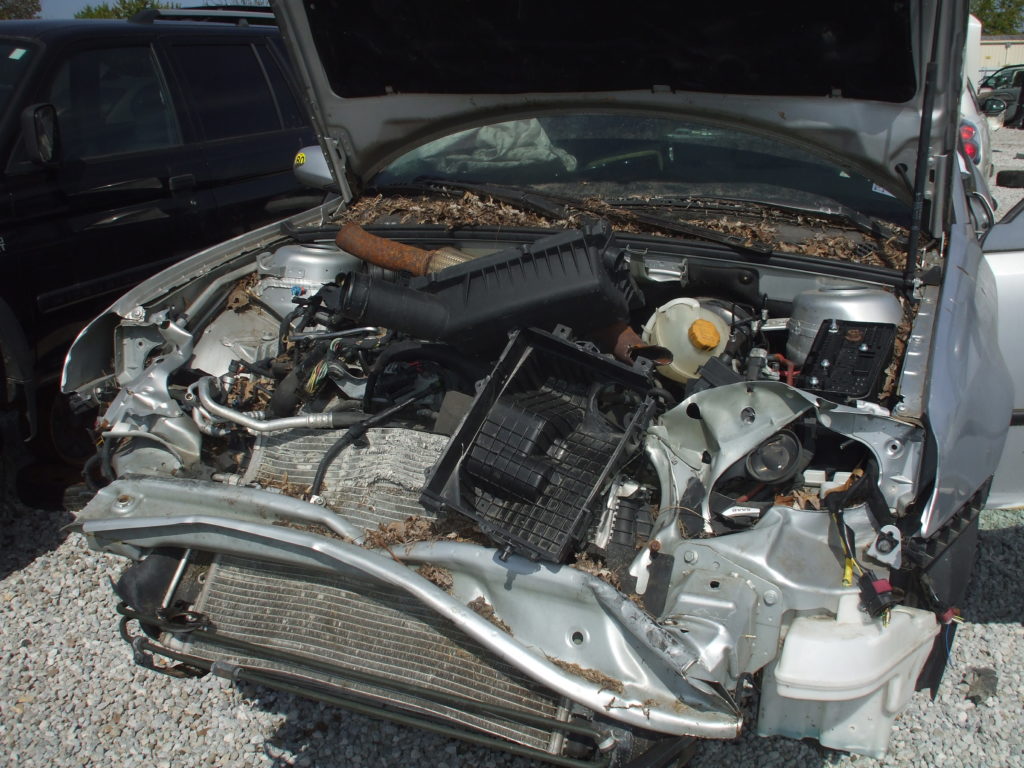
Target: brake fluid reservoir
[{"x": 693, "y": 333}]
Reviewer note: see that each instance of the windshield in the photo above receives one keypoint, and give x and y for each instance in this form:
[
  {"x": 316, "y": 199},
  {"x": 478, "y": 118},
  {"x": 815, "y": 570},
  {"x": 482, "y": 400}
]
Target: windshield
[
  {"x": 15, "y": 58},
  {"x": 628, "y": 157}
]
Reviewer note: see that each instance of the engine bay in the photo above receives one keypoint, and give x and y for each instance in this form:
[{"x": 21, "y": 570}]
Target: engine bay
[
  {"x": 549, "y": 420},
  {"x": 708, "y": 443}
]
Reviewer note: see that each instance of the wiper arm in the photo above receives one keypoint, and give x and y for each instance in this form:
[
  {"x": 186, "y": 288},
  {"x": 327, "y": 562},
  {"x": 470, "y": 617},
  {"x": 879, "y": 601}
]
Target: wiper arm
[
  {"x": 836, "y": 211},
  {"x": 613, "y": 212},
  {"x": 559, "y": 207}
]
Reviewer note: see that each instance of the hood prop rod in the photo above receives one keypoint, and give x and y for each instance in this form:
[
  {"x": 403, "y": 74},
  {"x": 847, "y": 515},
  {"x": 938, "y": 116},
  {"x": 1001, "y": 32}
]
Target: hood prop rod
[{"x": 923, "y": 147}]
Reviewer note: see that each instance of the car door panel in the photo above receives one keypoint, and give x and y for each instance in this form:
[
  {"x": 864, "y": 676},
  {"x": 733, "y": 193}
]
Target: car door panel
[
  {"x": 85, "y": 229},
  {"x": 1004, "y": 252}
]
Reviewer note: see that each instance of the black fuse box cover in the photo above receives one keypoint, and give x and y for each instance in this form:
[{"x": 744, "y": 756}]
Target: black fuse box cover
[
  {"x": 531, "y": 458},
  {"x": 848, "y": 359}
]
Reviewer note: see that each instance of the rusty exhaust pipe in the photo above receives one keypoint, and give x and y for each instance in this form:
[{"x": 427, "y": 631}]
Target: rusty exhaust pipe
[{"x": 395, "y": 256}]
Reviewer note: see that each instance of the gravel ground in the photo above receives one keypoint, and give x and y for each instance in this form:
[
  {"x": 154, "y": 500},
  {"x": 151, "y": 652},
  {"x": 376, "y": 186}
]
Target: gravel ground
[
  {"x": 1007, "y": 144},
  {"x": 70, "y": 696}
]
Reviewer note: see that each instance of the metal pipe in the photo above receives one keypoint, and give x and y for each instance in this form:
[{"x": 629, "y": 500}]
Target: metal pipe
[
  {"x": 626, "y": 345},
  {"x": 205, "y": 390},
  {"x": 393, "y": 255}
]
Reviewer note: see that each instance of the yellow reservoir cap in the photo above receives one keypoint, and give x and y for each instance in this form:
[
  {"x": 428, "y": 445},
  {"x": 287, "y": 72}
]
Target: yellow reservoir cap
[{"x": 704, "y": 335}]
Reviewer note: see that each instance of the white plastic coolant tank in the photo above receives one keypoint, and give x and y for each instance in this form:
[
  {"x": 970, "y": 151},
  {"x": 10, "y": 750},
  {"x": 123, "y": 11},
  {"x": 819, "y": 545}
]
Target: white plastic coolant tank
[
  {"x": 693, "y": 333},
  {"x": 842, "y": 681}
]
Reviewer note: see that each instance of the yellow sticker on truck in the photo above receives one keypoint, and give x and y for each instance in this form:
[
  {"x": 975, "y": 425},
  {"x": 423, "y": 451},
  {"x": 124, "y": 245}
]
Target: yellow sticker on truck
[{"x": 300, "y": 158}]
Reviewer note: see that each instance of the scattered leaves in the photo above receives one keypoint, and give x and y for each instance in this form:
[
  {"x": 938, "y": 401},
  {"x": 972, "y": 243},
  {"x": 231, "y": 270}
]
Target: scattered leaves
[
  {"x": 314, "y": 528},
  {"x": 818, "y": 236},
  {"x": 411, "y": 529},
  {"x": 441, "y": 577},
  {"x": 481, "y": 606},
  {"x": 587, "y": 564},
  {"x": 801, "y": 498},
  {"x": 296, "y": 490},
  {"x": 455, "y": 212},
  {"x": 646, "y": 705},
  {"x": 606, "y": 682},
  {"x": 455, "y": 527},
  {"x": 892, "y": 372},
  {"x": 251, "y": 394}
]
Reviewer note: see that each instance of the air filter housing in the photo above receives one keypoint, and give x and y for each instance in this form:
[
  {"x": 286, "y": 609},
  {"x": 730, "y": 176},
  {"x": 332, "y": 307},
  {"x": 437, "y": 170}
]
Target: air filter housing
[{"x": 530, "y": 461}]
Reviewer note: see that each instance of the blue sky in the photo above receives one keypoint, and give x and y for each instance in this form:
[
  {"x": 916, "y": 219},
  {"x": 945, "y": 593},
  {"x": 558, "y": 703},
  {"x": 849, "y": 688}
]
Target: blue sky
[{"x": 63, "y": 9}]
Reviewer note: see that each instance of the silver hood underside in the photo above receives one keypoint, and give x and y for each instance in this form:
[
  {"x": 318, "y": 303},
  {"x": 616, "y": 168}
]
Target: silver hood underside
[{"x": 380, "y": 85}]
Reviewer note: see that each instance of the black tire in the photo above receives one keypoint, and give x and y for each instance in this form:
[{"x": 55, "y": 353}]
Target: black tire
[{"x": 61, "y": 434}]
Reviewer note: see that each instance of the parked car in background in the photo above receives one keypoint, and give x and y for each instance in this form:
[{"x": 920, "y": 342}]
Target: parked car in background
[
  {"x": 619, "y": 385},
  {"x": 126, "y": 146},
  {"x": 1005, "y": 84}
]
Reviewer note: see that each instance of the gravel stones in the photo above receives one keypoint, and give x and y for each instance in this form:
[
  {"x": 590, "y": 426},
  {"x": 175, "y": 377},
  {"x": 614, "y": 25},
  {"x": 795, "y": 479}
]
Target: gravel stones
[{"x": 70, "y": 695}]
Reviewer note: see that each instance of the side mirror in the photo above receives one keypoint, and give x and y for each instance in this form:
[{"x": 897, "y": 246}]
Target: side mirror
[
  {"x": 1010, "y": 179},
  {"x": 311, "y": 169},
  {"x": 39, "y": 128},
  {"x": 993, "y": 107}
]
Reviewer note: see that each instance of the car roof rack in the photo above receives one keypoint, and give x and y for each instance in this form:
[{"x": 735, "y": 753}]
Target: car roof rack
[{"x": 225, "y": 14}]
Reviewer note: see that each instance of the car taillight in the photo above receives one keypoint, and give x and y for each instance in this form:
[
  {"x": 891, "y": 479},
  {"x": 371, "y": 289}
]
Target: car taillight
[{"x": 969, "y": 141}]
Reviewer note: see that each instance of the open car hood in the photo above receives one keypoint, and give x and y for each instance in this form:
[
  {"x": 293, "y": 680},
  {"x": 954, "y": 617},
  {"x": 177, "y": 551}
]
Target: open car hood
[{"x": 845, "y": 80}]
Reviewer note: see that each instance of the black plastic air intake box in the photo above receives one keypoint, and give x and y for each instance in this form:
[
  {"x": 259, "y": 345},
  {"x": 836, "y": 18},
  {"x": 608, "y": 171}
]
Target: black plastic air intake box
[
  {"x": 531, "y": 459},
  {"x": 576, "y": 278}
]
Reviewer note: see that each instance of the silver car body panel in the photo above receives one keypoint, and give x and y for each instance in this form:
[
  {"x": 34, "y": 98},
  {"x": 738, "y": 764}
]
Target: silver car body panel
[{"x": 969, "y": 397}]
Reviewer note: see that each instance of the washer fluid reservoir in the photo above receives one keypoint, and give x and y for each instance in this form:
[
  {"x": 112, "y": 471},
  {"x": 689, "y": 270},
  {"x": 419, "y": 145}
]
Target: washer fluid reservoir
[{"x": 693, "y": 333}]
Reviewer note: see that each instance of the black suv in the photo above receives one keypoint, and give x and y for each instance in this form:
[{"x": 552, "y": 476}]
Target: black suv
[{"x": 128, "y": 145}]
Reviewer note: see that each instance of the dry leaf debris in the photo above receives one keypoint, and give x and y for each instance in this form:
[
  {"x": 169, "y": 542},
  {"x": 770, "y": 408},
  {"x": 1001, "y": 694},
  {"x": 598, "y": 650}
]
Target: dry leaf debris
[
  {"x": 826, "y": 239},
  {"x": 606, "y": 682},
  {"x": 481, "y": 606}
]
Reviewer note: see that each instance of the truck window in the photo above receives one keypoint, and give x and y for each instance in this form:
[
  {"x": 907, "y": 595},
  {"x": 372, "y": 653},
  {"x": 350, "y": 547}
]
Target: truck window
[
  {"x": 112, "y": 101},
  {"x": 229, "y": 89}
]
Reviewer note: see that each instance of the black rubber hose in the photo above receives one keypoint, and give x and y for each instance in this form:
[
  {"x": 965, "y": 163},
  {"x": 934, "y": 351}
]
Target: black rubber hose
[
  {"x": 356, "y": 431},
  {"x": 450, "y": 358},
  {"x": 286, "y": 327},
  {"x": 375, "y": 302},
  {"x": 285, "y": 399}
]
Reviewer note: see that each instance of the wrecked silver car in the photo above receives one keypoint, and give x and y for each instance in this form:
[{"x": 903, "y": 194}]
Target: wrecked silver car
[{"x": 605, "y": 393}]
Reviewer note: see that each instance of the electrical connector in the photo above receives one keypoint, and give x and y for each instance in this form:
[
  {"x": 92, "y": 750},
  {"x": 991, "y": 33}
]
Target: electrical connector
[{"x": 875, "y": 594}]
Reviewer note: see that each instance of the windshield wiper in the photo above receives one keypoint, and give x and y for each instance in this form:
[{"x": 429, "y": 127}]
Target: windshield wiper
[
  {"x": 836, "y": 211},
  {"x": 560, "y": 207}
]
